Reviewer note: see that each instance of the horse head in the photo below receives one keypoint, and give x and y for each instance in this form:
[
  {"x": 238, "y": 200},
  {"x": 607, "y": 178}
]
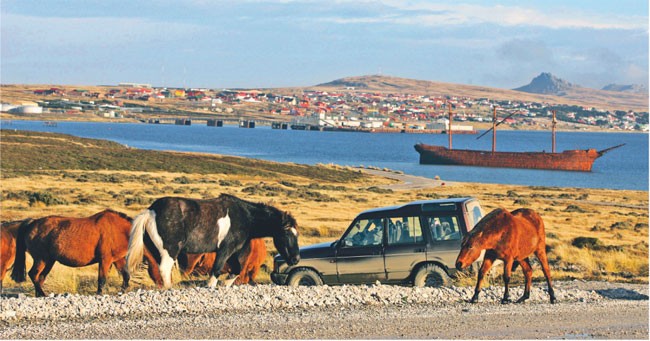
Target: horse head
[
  {"x": 286, "y": 240},
  {"x": 470, "y": 250},
  {"x": 482, "y": 236}
]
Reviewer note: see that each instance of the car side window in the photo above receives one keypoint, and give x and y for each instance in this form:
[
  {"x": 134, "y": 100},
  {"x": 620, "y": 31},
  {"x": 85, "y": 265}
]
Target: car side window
[
  {"x": 444, "y": 228},
  {"x": 365, "y": 232},
  {"x": 404, "y": 230}
]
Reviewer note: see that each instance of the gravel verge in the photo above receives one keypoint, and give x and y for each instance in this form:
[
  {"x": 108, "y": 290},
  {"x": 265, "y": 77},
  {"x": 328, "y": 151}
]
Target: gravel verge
[{"x": 270, "y": 311}]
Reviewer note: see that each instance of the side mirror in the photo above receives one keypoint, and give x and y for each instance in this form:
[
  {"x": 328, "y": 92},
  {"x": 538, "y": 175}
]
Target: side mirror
[{"x": 347, "y": 243}]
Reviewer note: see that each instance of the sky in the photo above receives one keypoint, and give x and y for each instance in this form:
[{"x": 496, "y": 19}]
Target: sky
[{"x": 283, "y": 43}]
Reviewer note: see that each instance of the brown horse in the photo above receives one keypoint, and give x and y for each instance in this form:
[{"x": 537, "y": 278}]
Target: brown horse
[
  {"x": 251, "y": 257},
  {"x": 511, "y": 237},
  {"x": 8, "y": 232},
  {"x": 101, "y": 238}
]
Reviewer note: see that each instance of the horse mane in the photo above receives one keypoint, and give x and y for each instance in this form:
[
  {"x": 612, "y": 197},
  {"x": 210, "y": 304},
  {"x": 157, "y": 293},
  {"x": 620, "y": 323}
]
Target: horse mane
[
  {"x": 485, "y": 223},
  {"x": 98, "y": 215},
  {"x": 286, "y": 218}
]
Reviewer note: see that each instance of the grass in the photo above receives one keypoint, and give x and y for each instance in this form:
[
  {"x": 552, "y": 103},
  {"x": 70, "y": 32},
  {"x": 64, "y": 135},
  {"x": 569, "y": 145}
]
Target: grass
[{"x": 324, "y": 199}]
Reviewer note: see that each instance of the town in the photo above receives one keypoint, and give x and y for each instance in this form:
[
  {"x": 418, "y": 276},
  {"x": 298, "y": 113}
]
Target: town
[{"x": 346, "y": 108}]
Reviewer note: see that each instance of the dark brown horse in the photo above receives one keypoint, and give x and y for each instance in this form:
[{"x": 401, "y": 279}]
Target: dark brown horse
[
  {"x": 173, "y": 225},
  {"x": 101, "y": 238},
  {"x": 250, "y": 257},
  {"x": 8, "y": 232},
  {"x": 511, "y": 237}
]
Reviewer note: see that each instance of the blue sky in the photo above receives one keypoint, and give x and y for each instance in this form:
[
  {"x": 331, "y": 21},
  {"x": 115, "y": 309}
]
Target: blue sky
[{"x": 277, "y": 43}]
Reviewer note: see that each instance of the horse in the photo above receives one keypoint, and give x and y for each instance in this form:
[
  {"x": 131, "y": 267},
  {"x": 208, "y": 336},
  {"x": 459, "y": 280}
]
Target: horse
[
  {"x": 101, "y": 238},
  {"x": 250, "y": 257},
  {"x": 511, "y": 237},
  {"x": 8, "y": 232},
  {"x": 222, "y": 225}
]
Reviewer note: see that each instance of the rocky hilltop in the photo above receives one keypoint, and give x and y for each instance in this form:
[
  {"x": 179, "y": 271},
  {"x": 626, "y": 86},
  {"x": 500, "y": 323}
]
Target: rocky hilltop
[
  {"x": 547, "y": 84},
  {"x": 631, "y": 88}
]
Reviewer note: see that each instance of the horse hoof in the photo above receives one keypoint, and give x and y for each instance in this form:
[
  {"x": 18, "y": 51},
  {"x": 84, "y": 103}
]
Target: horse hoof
[
  {"x": 506, "y": 301},
  {"x": 553, "y": 300},
  {"x": 473, "y": 300},
  {"x": 521, "y": 300}
]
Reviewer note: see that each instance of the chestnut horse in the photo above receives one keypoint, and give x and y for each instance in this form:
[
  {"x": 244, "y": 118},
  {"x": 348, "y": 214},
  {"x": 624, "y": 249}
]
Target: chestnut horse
[
  {"x": 250, "y": 257},
  {"x": 511, "y": 237},
  {"x": 8, "y": 232},
  {"x": 101, "y": 238}
]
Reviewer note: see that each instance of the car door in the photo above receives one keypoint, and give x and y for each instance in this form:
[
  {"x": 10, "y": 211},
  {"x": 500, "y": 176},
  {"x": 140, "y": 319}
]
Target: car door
[
  {"x": 445, "y": 233},
  {"x": 360, "y": 254},
  {"x": 405, "y": 246}
]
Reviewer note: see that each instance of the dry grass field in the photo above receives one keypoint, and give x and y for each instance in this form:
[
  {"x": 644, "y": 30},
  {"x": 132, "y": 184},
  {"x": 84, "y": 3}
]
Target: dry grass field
[{"x": 46, "y": 174}]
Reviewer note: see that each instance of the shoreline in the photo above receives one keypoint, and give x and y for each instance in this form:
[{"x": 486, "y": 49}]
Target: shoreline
[{"x": 9, "y": 117}]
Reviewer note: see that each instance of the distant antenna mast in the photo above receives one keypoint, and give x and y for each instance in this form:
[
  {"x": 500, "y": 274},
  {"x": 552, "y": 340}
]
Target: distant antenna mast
[
  {"x": 553, "y": 132},
  {"x": 449, "y": 125}
]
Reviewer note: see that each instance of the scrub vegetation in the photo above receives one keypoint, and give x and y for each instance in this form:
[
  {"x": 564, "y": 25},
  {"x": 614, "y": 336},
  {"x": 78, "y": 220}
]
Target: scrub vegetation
[{"x": 591, "y": 233}]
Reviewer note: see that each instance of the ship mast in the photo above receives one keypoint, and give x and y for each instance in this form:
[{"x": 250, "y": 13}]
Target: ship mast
[
  {"x": 449, "y": 125},
  {"x": 494, "y": 129},
  {"x": 553, "y": 132}
]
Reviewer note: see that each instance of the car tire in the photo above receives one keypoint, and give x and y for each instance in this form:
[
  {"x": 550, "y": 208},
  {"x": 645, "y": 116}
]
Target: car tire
[
  {"x": 304, "y": 277},
  {"x": 431, "y": 275}
]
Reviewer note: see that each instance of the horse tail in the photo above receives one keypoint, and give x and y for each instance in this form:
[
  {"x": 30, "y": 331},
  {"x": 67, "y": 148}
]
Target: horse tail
[
  {"x": 135, "y": 252},
  {"x": 18, "y": 272}
]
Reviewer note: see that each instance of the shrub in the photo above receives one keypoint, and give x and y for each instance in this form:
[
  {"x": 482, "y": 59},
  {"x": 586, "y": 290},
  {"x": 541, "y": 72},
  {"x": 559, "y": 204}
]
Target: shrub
[
  {"x": 183, "y": 180},
  {"x": 229, "y": 183},
  {"x": 46, "y": 198},
  {"x": 574, "y": 208},
  {"x": 587, "y": 243}
]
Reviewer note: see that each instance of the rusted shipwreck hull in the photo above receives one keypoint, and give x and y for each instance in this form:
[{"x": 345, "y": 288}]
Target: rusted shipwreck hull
[{"x": 570, "y": 160}]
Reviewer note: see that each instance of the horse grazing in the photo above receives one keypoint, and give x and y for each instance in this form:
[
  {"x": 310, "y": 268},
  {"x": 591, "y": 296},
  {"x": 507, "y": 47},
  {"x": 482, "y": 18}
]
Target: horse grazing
[
  {"x": 101, "y": 238},
  {"x": 511, "y": 237},
  {"x": 250, "y": 258},
  {"x": 222, "y": 225},
  {"x": 8, "y": 232}
]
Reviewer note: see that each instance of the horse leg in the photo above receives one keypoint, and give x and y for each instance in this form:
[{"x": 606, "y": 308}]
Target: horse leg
[
  {"x": 219, "y": 262},
  {"x": 38, "y": 273},
  {"x": 528, "y": 274},
  {"x": 235, "y": 270},
  {"x": 541, "y": 255},
  {"x": 507, "y": 272},
  {"x": 120, "y": 264},
  {"x": 104, "y": 267},
  {"x": 488, "y": 260}
]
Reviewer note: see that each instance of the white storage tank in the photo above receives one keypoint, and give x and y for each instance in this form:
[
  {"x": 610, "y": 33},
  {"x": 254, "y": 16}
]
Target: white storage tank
[{"x": 27, "y": 109}]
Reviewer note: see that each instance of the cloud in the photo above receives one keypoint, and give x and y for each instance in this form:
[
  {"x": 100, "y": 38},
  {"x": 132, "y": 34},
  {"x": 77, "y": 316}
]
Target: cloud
[
  {"x": 47, "y": 32},
  {"x": 424, "y": 13}
]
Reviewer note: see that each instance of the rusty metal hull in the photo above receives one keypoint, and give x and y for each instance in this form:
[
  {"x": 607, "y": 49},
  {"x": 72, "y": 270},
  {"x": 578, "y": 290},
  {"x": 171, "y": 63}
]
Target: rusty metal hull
[{"x": 570, "y": 160}]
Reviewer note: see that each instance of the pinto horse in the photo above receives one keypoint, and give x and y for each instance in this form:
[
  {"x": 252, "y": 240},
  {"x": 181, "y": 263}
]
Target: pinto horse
[
  {"x": 222, "y": 225},
  {"x": 8, "y": 232},
  {"x": 101, "y": 238},
  {"x": 250, "y": 257},
  {"x": 511, "y": 237}
]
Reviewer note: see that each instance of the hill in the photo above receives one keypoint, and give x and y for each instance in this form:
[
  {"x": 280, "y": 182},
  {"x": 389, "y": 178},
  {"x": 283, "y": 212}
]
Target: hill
[
  {"x": 570, "y": 95},
  {"x": 546, "y": 83},
  {"x": 633, "y": 88}
]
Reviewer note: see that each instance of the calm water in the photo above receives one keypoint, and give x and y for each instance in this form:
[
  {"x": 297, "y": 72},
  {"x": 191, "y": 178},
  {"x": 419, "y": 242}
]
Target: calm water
[{"x": 622, "y": 168}]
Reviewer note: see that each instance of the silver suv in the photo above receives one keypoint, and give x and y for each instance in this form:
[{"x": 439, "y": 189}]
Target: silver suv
[{"x": 416, "y": 243}]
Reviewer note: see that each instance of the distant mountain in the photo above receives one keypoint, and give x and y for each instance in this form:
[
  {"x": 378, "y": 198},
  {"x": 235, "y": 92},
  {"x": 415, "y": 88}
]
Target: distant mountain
[
  {"x": 547, "y": 84},
  {"x": 561, "y": 91},
  {"x": 633, "y": 88}
]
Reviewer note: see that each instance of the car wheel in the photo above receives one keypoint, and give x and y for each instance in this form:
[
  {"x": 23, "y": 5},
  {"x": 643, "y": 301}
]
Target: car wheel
[
  {"x": 304, "y": 277},
  {"x": 431, "y": 275}
]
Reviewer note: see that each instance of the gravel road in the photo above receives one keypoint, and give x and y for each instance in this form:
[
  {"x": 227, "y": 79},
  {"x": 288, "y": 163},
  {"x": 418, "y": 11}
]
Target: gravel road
[{"x": 585, "y": 310}]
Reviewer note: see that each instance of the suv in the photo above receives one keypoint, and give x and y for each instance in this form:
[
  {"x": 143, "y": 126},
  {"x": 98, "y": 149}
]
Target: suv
[{"x": 416, "y": 243}]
